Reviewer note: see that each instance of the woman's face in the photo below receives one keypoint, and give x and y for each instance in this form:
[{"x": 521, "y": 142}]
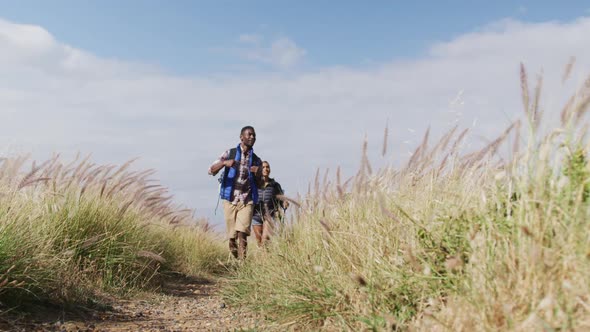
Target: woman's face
[{"x": 265, "y": 169}]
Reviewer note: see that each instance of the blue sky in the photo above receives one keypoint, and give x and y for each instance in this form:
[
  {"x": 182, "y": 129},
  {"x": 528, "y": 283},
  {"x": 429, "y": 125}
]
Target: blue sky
[
  {"x": 197, "y": 37},
  {"x": 172, "y": 82}
]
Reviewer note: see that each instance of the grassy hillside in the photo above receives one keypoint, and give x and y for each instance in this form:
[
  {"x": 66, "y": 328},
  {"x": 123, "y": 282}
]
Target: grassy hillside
[
  {"x": 71, "y": 231},
  {"x": 452, "y": 241}
]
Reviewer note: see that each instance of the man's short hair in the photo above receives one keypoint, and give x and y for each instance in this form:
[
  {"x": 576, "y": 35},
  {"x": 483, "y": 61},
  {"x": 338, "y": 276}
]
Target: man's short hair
[{"x": 246, "y": 128}]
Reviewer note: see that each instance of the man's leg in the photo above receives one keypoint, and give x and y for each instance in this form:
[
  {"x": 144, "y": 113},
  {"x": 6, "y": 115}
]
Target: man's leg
[
  {"x": 233, "y": 245},
  {"x": 229, "y": 212},
  {"x": 243, "y": 245},
  {"x": 242, "y": 227}
]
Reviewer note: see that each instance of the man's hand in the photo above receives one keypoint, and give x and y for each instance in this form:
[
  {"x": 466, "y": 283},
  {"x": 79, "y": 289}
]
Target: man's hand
[
  {"x": 285, "y": 204},
  {"x": 255, "y": 169},
  {"x": 215, "y": 168}
]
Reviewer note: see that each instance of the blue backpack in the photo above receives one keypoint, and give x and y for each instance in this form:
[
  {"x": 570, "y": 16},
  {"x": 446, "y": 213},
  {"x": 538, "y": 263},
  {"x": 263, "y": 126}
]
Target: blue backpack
[
  {"x": 223, "y": 177},
  {"x": 222, "y": 174}
]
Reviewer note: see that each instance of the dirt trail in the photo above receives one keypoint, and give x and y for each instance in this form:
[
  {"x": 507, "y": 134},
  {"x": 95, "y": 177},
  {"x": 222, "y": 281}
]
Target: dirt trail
[{"x": 185, "y": 304}]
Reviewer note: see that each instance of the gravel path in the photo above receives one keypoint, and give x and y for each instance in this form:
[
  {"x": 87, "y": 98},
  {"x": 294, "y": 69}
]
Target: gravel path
[{"x": 185, "y": 304}]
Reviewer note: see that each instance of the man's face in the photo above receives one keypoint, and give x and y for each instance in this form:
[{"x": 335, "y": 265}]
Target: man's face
[
  {"x": 265, "y": 169},
  {"x": 248, "y": 137}
]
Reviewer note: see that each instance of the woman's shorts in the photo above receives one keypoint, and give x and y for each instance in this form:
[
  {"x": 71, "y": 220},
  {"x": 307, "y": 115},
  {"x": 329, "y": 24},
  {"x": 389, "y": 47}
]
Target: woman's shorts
[{"x": 257, "y": 219}]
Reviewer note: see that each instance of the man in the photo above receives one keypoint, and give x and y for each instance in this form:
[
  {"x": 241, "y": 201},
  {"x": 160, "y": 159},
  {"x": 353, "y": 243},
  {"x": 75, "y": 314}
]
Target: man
[
  {"x": 239, "y": 190},
  {"x": 267, "y": 209}
]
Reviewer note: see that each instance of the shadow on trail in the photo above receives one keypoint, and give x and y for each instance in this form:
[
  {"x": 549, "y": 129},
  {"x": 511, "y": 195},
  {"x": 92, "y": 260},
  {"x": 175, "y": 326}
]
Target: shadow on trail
[
  {"x": 139, "y": 310},
  {"x": 183, "y": 286}
]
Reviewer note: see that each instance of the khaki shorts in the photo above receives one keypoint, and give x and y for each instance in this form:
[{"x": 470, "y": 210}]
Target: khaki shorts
[{"x": 237, "y": 217}]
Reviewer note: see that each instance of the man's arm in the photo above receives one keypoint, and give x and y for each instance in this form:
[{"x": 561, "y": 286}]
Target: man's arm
[
  {"x": 220, "y": 163},
  {"x": 216, "y": 167}
]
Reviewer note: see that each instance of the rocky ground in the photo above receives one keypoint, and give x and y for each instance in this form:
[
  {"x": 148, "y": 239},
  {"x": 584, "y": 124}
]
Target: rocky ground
[{"x": 184, "y": 304}]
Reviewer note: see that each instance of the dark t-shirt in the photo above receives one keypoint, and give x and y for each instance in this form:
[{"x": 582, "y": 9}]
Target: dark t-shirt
[{"x": 267, "y": 199}]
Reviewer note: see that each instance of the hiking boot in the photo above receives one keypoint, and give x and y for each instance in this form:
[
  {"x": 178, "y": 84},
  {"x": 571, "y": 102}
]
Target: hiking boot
[
  {"x": 233, "y": 246},
  {"x": 243, "y": 245}
]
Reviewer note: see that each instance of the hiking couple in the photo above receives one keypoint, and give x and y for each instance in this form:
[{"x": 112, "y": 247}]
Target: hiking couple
[{"x": 249, "y": 194}]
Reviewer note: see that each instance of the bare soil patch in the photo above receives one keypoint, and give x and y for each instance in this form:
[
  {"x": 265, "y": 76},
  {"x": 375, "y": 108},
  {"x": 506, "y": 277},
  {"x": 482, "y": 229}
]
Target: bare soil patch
[{"x": 183, "y": 304}]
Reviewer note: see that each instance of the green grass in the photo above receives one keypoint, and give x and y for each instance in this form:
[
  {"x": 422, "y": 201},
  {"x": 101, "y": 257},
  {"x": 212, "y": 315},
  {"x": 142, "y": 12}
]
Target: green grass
[
  {"x": 452, "y": 241},
  {"x": 69, "y": 233},
  {"x": 495, "y": 239}
]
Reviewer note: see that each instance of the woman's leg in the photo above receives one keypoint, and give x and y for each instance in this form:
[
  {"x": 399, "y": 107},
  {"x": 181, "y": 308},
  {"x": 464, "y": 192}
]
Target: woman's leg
[
  {"x": 267, "y": 228},
  {"x": 257, "y": 227},
  {"x": 258, "y": 233}
]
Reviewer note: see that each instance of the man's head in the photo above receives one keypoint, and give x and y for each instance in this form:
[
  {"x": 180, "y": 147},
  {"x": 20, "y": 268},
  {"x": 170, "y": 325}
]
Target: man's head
[
  {"x": 265, "y": 169},
  {"x": 248, "y": 136}
]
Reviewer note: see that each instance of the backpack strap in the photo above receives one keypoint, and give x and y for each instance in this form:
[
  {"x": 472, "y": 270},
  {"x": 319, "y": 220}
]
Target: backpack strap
[
  {"x": 256, "y": 161},
  {"x": 232, "y": 155}
]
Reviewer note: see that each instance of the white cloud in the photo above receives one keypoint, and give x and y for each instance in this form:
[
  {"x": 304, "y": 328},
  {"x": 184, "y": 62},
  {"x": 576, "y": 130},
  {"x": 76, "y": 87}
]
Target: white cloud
[
  {"x": 250, "y": 39},
  {"x": 282, "y": 53},
  {"x": 285, "y": 53},
  {"x": 54, "y": 97}
]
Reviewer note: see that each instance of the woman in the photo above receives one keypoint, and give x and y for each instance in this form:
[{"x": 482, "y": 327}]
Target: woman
[{"x": 267, "y": 209}]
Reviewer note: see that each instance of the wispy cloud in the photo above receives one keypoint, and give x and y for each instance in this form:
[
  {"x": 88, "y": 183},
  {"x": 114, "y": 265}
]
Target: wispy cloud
[
  {"x": 281, "y": 53},
  {"x": 250, "y": 39},
  {"x": 55, "y": 97}
]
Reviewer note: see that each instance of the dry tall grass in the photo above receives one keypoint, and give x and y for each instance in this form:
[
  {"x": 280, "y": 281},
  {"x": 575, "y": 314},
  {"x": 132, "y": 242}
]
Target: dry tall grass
[
  {"x": 452, "y": 241},
  {"x": 71, "y": 231}
]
